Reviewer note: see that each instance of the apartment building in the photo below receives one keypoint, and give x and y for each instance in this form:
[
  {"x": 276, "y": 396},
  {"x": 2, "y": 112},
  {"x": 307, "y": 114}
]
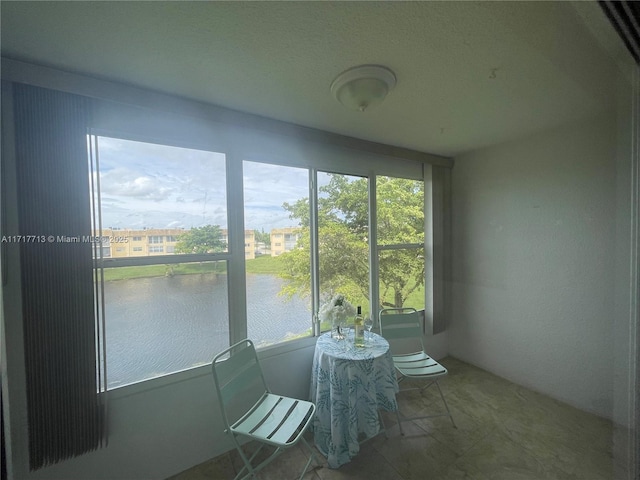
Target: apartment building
[
  {"x": 249, "y": 242},
  {"x": 118, "y": 243},
  {"x": 284, "y": 240}
]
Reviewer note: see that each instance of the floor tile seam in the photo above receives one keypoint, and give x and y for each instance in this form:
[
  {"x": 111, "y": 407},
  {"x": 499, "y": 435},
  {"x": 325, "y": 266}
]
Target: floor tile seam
[
  {"x": 473, "y": 445},
  {"x": 314, "y": 471},
  {"x": 389, "y": 464},
  {"x": 429, "y": 433},
  {"x": 442, "y": 444},
  {"x": 540, "y": 461},
  {"x": 474, "y": 475},
  {"x": 387, "y": 461},
  {"x": 555, "y": 460},
  {"x": 393, "y": 468},
  {"x": 517, "y": 437},
  {"x": 380, "y": 456}
]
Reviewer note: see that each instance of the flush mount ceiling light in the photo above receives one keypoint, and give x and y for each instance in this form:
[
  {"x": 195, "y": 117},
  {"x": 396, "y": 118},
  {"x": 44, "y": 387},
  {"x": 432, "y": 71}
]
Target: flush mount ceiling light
[{"x": 363, "y": 87}]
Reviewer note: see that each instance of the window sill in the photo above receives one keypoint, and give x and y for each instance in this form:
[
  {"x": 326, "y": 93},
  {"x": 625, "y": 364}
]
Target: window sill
[{"x": 286, "y": 347}]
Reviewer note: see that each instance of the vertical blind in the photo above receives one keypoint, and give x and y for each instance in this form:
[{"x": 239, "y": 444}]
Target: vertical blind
[
  {"x": 60, "y": 335},
  {"x": 625, "y": 18}
]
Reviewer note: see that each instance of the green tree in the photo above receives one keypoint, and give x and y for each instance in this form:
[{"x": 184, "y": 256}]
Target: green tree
[
  {"x": 264, "y": 237},
  {"x": 207, "y": 239},
  {"x": 343, "y": 220},
  {"x": 400, "y": 207}
]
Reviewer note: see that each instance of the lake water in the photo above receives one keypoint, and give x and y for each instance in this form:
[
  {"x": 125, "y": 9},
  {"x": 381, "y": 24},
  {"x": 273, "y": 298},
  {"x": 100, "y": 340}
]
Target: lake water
[{"x": 161, "y": 325}]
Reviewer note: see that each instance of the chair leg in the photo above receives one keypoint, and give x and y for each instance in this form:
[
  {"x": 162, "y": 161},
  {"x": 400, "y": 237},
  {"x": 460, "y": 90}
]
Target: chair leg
[
  {"x": 445, "y": 405},
  {"x": 312, "y": 457},
  {"x": 399, "y": 421},
  {"x": 384, "y": 427},
  {"x": 247, "y": 463}
]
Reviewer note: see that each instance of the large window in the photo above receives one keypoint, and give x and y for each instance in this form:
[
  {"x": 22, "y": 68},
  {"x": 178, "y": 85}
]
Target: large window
[
  {"x": 195, "y": 250},
  {"x": 163, "y": 311}
]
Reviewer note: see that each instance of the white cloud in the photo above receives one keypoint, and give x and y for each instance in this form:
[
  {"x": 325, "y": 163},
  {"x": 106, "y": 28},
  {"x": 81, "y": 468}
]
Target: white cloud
[
  {"x": 150, "y": 185},
  {"x": 122, "y": 182}
]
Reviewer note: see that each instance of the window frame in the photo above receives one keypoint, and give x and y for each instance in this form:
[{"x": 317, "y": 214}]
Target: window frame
[
  {"x": 278, "y": 248},
  {"x": 378, "y": 248},
  {"x": 102, "y": 262}
]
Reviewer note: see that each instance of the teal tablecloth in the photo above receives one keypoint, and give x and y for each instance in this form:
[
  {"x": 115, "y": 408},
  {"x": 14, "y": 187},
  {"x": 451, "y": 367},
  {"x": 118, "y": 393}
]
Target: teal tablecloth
[{"x": 348, "y": 386}]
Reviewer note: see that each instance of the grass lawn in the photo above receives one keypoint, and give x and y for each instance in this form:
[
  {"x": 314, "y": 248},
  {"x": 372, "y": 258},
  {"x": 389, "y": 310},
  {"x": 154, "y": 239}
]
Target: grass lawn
[
  {"x": 145, "y": 271},
  {"x": 264, "y": 264}
]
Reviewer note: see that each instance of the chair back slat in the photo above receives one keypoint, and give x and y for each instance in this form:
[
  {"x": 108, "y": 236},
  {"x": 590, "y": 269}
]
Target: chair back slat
[
  {"x": 402, "y": 329},
  {"x": 400, "y": 325},
  {"x": 238, "y": 378},
  {"x": 234, "y": 359},
  {"x": 247, "y": 380}
]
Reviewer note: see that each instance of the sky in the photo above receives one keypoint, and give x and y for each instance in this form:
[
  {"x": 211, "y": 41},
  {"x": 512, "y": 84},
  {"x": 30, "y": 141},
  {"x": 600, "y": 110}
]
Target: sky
[{"x": 158, "y": 186}]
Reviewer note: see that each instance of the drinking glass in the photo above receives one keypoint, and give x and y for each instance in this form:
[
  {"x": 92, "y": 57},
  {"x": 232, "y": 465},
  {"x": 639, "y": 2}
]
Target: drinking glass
[
  {"x": 344, "y": 326},
  {"x": 368, "y": 324},
  {"x": 338, "y": 328}
]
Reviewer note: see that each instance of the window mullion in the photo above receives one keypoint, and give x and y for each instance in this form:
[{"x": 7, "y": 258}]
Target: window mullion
[
  {"x": 313, "y": 232},
  {"x": 237, "y": 290},
  {"x": 400, "y": 246},
  {"x": 374, "y": 267}
]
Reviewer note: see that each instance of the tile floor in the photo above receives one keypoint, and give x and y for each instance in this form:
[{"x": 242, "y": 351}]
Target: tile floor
[{"x": 504, "y": 431}]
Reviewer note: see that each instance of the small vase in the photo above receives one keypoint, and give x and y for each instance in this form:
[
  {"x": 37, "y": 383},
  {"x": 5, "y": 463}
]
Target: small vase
[{"x": 338, "y": 328}]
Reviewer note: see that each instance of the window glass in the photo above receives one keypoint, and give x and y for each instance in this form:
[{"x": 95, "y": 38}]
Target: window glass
[
  {"x": 401, "y": 262},
  {"x": 276, "y": 208},
  {"x": 162, "y": 319},
  {"x": 158, "y": 200},
  {"x": 400, "y": 210},
  {"x": 343, "y": 238},
  {"x": 401, "y": 279},
  {"x": 156, "y": 194}
]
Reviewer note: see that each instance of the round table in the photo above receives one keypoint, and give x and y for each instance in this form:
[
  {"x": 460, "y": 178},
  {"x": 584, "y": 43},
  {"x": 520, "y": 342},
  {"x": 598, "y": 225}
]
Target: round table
[{"x": 348, "y": 386}]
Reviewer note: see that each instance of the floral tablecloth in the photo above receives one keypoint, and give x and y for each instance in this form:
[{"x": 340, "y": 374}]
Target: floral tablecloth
[{"x": 348, "y": 386}]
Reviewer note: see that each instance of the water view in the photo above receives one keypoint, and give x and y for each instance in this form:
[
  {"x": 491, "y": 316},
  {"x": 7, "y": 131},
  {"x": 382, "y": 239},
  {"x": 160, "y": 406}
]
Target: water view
[{"x": 161, "y": 325}]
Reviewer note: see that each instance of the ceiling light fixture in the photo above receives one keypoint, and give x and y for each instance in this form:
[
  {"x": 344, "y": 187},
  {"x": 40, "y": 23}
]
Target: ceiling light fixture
[{"x": 363, "y": 87}]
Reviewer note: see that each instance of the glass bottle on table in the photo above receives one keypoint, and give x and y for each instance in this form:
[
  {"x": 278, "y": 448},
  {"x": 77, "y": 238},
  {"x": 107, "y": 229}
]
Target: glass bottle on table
[{"x": 358, "y": 337}]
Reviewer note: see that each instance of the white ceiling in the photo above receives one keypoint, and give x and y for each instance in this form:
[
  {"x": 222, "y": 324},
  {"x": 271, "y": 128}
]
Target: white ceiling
[{"x": 470, "y": 74}]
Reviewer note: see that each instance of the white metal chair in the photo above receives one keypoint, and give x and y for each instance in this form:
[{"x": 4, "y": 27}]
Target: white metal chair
[
  {"x": 251, "y": 411},
  {"x": 401, "y": 327}
]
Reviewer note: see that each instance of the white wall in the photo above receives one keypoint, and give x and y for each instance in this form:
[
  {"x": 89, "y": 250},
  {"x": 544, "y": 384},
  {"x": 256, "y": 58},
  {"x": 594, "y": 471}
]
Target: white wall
[
  {"x": 437, "y": 345},
  {"x": 534, "y": 237}
]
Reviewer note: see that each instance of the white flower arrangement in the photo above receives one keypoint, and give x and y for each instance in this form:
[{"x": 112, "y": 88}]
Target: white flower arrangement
[{"x": 337, "y": 310}]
